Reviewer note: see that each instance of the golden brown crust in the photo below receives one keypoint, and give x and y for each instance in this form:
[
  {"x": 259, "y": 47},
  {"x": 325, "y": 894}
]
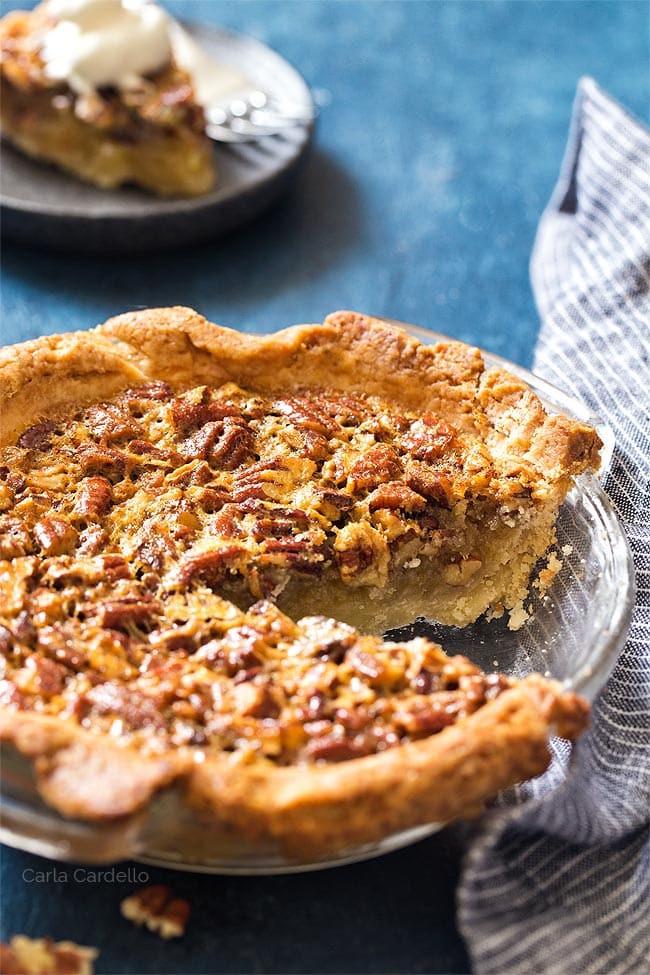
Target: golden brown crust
[
  {"x": 317, "y": 810},
  {"x": 348, "y": 352},
  {"x": 83, "y": 775},
  {"x": 311, "y": 809}
]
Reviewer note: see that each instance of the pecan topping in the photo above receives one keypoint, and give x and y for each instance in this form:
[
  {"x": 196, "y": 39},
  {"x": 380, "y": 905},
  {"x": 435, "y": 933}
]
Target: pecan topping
[
  {"x": 315, "y": 426},
  {"x": 211, "y": 499},
  {"x": 235, "y": 445},
  {"x": 183, "y": 500},
  {"x": 254, "y": 700},
  {"x": 365, "y": 663},
  {"x": 6, "y": 640},
  {"x": 92, "y": 540},
  {"x": 238, "y": 651},
  {"x": 49, "y": 676},
  {"x": 227, "y": 443},
  {"x": 359, "y": 547},
  {"x": 10, "y": 696},
  {"x": 331, "y": 748},
  {"x": 424, "y": 718}
]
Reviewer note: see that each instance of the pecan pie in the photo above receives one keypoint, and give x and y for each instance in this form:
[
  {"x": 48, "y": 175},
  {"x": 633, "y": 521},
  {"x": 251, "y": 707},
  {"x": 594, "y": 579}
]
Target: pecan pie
[
  {"x": 170, "y": 490},
  {"x": 152, "y": 134}
]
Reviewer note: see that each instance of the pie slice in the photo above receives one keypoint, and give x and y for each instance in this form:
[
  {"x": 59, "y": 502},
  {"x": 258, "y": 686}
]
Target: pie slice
[
  {"x": 152, "y": 135},
  {"x": 169, "y": 487}
]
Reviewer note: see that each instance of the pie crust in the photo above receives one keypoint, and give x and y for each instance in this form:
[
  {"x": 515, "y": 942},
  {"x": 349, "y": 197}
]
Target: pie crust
[
  {"x": 130, "y": 667},
  {"x": 153, "y": 136}
]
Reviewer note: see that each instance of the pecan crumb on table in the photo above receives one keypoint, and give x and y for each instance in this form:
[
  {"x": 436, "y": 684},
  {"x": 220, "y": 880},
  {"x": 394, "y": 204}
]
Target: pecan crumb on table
[
  {"x": 43, "y": 956},
  {"x": 158, "y": 909}
]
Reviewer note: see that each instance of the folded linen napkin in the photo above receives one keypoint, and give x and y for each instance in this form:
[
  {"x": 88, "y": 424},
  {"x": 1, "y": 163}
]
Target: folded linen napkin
[{"x": 561, "y": 884}]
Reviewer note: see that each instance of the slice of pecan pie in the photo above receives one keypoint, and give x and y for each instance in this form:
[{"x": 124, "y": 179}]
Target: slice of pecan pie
[
  {"x": 151, "y": 134},
  {"x": 168, "y": 487}
]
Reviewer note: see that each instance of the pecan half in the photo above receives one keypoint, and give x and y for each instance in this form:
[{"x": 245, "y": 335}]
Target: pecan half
[
  {"x": 54, "y": 535},
  {"x": 237, "y": 651},
  {"x": 121, "y": 614},
  {"x": 235, "y": 445},
  {"x": 49, "y": 675},
  {"x": 377, "y": 465},
  {"x": 94, "y": 497},
  {"x": 38, "y": 436},
  {"x": 92, "y": 540},
  {"x": 331, "y": 748},
  {"x": 138, "y": 710},
  {"x": 15, "y": 539},
  {"x": 110, "y": 421},
  {"x": 315, "y": 426},
  {"x": 429, "y": 438},
  {"x": 158, "y": 391},
  {"x": 254, "y": 700},
  {"x": 209, "y": 567},
  {"x": 195, "y": 409},
  {"x": 424, "y": 718},
  {"x": 158, "y": 909},
  {"x": 96, "y": 459},
  {"x": 432, "y": 484},
  {"x": 396, "y": 494}
]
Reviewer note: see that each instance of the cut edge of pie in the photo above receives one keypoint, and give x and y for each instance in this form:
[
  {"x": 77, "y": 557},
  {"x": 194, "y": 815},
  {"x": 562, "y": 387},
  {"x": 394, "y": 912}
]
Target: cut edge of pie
[{"x": 153, "y": 137}]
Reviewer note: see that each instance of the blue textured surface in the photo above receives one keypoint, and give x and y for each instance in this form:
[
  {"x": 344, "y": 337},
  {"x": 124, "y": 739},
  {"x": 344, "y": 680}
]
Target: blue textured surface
[
  {"x": 439, "y": 141},
  {"x": 434, "y": 159}
]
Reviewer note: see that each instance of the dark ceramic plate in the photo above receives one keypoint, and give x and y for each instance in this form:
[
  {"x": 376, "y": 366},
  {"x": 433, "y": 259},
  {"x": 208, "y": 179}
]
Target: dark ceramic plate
[{"x": 41, "y": 206}]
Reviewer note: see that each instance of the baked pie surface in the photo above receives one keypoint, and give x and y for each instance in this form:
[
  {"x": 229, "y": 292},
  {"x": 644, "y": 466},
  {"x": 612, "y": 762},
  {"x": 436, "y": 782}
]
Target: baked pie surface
[
  {"x": 152, "y": 135},
  {"x": 165, "y": 482}
]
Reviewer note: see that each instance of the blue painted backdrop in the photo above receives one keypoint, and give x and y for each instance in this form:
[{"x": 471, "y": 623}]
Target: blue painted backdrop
[{"x": 439, "y": 141}]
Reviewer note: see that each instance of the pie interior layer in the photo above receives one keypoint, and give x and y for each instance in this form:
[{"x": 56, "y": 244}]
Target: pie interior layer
[
  {"x": 153, "y": 136},
  {"x": 165, "y": 483}
]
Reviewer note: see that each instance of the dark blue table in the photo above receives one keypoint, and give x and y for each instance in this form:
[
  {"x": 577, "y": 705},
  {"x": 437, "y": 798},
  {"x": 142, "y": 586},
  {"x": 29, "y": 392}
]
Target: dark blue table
[{"x": 439, "y": 141}]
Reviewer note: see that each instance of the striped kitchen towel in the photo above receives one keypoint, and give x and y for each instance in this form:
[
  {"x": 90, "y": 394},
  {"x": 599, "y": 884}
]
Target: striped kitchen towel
[{"x": 561, "y": 884}]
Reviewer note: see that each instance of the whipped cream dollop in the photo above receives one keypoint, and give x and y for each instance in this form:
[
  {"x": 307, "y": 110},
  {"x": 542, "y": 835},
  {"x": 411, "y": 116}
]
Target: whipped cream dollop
[
  {"x": 95, "y": 43},
  {"x": 99, "y": 43}
]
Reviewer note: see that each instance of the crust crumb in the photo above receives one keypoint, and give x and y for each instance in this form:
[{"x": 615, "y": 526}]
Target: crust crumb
[{"x": 548, "y": 574}]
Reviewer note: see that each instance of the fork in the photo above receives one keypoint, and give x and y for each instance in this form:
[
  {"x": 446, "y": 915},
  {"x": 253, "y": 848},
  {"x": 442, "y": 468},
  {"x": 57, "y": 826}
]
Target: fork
[{"x": 254, "y": 114}]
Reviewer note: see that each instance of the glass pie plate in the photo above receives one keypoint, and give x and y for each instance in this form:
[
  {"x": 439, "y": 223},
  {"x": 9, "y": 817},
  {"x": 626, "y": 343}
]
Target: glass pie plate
[{"x": 573, "y": 633}]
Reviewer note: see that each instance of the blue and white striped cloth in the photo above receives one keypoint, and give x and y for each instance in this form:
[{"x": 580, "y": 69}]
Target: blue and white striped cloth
[{"x": 561, "y": 885}]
